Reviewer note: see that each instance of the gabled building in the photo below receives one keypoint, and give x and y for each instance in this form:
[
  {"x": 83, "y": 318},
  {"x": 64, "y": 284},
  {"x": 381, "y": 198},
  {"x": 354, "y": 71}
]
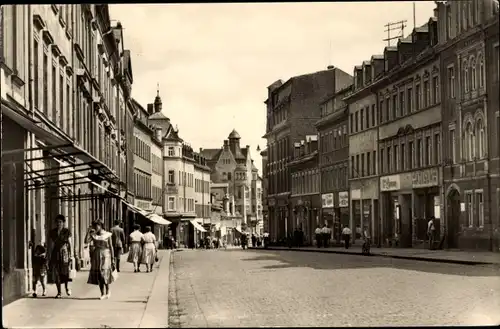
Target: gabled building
[{"x": 233, "y": 164}]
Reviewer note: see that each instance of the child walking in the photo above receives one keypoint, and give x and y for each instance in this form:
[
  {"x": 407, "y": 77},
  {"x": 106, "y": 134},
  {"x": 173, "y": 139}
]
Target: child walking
[{"x": 39, "y": 268}]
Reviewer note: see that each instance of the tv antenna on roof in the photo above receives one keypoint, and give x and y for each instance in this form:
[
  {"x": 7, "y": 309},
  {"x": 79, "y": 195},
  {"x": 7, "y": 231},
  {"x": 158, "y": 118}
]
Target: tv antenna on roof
[{"x": 399, "y": 26}]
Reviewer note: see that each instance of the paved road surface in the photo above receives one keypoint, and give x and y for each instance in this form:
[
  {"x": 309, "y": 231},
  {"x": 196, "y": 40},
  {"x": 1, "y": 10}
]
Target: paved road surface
[{"x": 228, "y": 288}]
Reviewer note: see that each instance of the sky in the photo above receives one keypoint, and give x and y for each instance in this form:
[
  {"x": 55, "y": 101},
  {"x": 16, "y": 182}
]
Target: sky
[{"x": 213, "y": 62}]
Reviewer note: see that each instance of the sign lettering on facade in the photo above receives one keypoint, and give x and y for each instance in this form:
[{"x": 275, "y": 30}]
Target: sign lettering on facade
[
  {"x": 327, "y": 200},
  {"x": 425, "y": 178},
  {"x": 390, "y": 183},
  {"x": 343, "y": 199}
]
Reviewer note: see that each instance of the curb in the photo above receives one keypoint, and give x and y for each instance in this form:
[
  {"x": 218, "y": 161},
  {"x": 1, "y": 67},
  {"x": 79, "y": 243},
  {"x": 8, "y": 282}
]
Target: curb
[
  {"x": 156, "y": 312},
  {"x": 417, "y": 258}
]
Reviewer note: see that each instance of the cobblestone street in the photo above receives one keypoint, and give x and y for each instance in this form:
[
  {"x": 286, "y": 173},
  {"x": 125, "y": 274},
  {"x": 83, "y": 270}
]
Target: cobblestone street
[{"x": 225, "y": 288}]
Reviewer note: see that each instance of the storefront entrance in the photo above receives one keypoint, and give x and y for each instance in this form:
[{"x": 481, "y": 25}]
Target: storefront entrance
[{"x": 453, "y": 218}]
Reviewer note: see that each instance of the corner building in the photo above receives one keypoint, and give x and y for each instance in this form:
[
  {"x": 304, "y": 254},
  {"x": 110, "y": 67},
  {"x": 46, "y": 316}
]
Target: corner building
[{"x": 468, "y": 39}]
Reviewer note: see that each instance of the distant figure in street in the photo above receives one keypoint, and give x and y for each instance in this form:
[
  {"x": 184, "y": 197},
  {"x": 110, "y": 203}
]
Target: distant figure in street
[
  {"x": 118, "y": 238},
  {"x": 60, "y": 255},
  {"x": 301, "y": 237},
  {"x": 254, "y": 240},
  {"x": 317, "y": 233},
  {"x": 39, "y": 264},
  {"x": 135, "y": 247},
  {"x": 149, "y": 249},
  {"x": 325, "y": 235},
  {"x": 102, "y": 260},
  {"x": 346, "y": 232},
  {"x": 431, "y": 230}
]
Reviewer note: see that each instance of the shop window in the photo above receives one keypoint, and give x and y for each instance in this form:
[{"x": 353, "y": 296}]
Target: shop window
[
  {"x": 469, "y": 208},
  {"x": 480, "y": 208}
]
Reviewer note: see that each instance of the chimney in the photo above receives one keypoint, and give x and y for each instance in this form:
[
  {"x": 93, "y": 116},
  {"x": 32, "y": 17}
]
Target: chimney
[
  {"x": 201, "y": 149},
  {"x": 158, "y": 133},
  {"x": 151, "y": 109},
  {"x": 226, "y": 144},
  {"x": 330, "y": 67},
  {"x": 436, "y": 12}
]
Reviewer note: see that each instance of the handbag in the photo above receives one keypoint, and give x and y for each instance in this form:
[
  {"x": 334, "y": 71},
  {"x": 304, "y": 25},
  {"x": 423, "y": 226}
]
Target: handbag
[
  {"x": 72, "y": 274},
  {"x": 114, "y": 274},
  {"x": 156, "y": 259}
]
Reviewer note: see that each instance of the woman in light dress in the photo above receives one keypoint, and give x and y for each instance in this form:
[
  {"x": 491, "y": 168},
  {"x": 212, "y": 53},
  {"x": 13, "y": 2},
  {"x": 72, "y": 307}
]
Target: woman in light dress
[
  {"x": 135, "y": 247},
  {"x": 149, "y": 249},
  {"x": 102, "y": 261}
]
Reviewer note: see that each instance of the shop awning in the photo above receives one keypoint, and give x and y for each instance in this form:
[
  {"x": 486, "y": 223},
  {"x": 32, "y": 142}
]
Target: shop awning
[
  {"x": 55, "y": 142},
  {"x": 158, "y": 219},
  {"x": 238, "y": 229},
  {"x": 197, "y": 226},
  {"x": 136, "y": 209}
]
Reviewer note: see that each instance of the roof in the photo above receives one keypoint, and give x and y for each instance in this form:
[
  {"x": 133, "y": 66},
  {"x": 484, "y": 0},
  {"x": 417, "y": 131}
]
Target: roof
[
  {"x": 158, "y": 116},
  {"x": 172, "y": 134},
  {"x": 377, "y": 56},
  {"x": 211, "y": 154},
  {"x": 234, "y": 135}
]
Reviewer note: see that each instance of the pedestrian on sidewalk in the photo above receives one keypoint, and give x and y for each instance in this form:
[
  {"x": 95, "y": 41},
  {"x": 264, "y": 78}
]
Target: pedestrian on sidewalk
[
  {"x": 325, "y": 235},
  {"x": 431, "y": 231},
  {"x": 118, "y": 238},
  {"x": 346, "y": 232},
  {"x": 301, "y": 237},
  {"x": 39, "y": 264},
  {"x": 102, "y": 260},
  {"x": 149, "y": 249},
  {"x": 135, "y": 247},
  {"x": 60, "y": 255},
  {"x": 317, "y": 233}
]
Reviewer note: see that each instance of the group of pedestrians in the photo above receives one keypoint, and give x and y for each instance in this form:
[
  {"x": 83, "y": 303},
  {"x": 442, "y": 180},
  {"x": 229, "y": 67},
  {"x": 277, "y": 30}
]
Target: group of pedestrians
[
  {"x": 106, "y": 248},
  {"x": 323, "y": 236}
]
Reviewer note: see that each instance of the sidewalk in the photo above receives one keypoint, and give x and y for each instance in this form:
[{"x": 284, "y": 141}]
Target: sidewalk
[
  {"x": 440, "y": 256},
  {"x": 138, "y": 300}
]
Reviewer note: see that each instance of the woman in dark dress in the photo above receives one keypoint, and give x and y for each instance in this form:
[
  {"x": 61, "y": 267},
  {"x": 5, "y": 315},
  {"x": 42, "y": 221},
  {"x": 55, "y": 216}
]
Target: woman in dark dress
[{"x": 60, "y": 255}]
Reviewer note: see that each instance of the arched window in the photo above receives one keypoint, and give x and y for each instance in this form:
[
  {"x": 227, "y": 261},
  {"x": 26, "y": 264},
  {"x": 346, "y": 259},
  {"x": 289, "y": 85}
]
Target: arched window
[
  {"x": 469, "y": 142},
  {"x": 465, "y": 68},
  {"x": 481, "y": 147},
  {"x": 472, "y": 74},
  {"x": 481, "y": 70}
]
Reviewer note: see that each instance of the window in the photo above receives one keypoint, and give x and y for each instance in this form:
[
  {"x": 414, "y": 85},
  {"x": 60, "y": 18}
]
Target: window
[
  {"x": 171, "y": 151},
  {"x": 418, "y": 155},
  {"x": 387, "y": 109},
  {"x": 389, "y": 160},
  {"x": 435, "y": 87},
  {"x": 374, "y": 163},
  {"x": 62, "y": 110},
  {"x": 171, "y": 177},
  {"x": 171, "y": 203},
  {"x": 397, "y": 164},
  {"x": 418, "y": 95},
  {"x": 411, "y": 155},
  {"x": 402, "y": 102},
  {"x": 356, "y": 122},
  {"x": 480, "y": 208},
  {"x": 373, "y": 115},
  {"x": 465, "y": 74},
  {"x": 45, "y": 84},
  {"x": 368, "y": 164},
  {"x": 367, "y": 110},
  {"x": 36, "y": 68},
  {"x": 453, "y": 146},
  {"x": 357, "y": 166},
  {"x": 448, "y": 21},
  {"x": 69, "y": 119},
  {"x": 469, "y": 142},
  {"x": 361, "y": 120},
  {"x": 395, "y": 106},
  {"x": 409, "y": 100},
  {"x": 480, "y": 139},
  {"x": 481, "y": 71},
  {"x": 351, "y": 116},
  {"x": 470, "y": 208},
  {"x": 427, "y": 94},
  {"x": 54, "y": 96},
  {"x": 428, "y": 151},
  {"x": 472, "y": 74},
  {"x": 403, "y": 158},
  {"x": 381, "y": 111},
  {"x": 352, "y": 167},
  {"x": 362, "y": 166},
  {"x": 451, "y": 82},
  {"x": 437, "y": 148},
  {"x": 382, "y": 167}
]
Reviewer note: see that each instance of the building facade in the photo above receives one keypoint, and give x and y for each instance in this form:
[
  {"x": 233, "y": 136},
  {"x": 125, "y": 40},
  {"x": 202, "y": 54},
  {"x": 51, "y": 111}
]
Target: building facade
[
  {"x": 292, "y": 110},
  {"x": 333, "y": 159},
  {"x": 305, "y": 189},
  {"x": 265, "y": 187},
  {"x": 363, "y": 145},
  {"x": 60, "y": 73},
  {"x": 468, "y": 40}
]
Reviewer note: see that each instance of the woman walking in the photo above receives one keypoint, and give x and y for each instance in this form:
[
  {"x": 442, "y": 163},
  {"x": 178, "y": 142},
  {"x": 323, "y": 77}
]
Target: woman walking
[
  {"x": 60, "y": 255},
  {"x": 149, "y": 249},
  {"x": 102, "y": 262},
  {"x": 135, "y": 248}
]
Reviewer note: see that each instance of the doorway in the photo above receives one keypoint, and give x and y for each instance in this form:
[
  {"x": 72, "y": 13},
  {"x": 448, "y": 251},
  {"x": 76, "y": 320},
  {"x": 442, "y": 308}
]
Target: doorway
[{"x": 453, "y": 218}]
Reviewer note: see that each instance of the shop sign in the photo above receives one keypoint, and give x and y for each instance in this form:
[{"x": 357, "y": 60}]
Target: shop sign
[
  {"x": 343, "y": 199},
  {"x": 390, "y": 183},
  {"x": 327, "y": 200},
  {"x": 424, "y": 178}
]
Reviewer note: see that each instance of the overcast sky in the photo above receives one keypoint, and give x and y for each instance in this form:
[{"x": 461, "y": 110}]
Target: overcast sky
[{"x": 213, "y": 62}]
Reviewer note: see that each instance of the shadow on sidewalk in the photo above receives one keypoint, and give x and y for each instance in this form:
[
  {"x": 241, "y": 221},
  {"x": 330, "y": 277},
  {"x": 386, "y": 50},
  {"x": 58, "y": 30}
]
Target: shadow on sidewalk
[{"x": 326, "y": 261}]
